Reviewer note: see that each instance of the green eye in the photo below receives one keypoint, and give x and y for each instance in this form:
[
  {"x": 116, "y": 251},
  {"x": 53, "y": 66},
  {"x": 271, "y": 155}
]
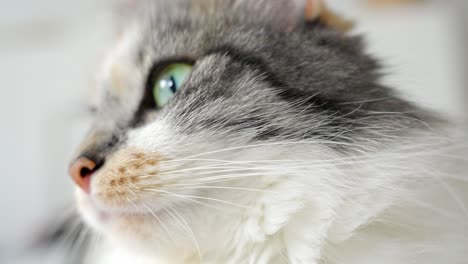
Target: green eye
[{"x": 169, "y": 81}]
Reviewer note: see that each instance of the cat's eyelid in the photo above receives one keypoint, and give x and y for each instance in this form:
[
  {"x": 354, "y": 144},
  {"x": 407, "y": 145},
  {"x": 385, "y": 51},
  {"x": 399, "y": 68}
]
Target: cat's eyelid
[{"x": 161, "y": 64}]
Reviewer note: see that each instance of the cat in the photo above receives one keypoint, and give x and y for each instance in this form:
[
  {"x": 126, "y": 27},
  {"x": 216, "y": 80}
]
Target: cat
[{"x": 260, "y": 132}]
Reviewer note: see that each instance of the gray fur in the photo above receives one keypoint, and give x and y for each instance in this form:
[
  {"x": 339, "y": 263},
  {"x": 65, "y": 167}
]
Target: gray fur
[{"x": 260, "y": 73}]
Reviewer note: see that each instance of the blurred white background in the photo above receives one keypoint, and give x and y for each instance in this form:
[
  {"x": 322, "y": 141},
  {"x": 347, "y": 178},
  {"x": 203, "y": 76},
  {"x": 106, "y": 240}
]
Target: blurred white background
[{"x": 50, "y": 50}]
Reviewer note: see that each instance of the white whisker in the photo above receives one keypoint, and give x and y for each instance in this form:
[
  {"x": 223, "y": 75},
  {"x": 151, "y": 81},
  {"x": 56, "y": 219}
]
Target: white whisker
[{"x": 188, "y": 230}]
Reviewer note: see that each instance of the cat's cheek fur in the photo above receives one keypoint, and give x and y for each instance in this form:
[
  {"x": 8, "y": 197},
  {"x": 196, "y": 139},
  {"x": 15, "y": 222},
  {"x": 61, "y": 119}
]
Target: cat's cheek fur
[{"x": 265, "y": 224}]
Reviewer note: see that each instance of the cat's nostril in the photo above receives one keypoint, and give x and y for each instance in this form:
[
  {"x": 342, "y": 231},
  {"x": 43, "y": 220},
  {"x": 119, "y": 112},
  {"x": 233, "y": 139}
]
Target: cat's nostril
[
  {"x": 81, "y": 171},
  {"x": 85, "y": 171}
]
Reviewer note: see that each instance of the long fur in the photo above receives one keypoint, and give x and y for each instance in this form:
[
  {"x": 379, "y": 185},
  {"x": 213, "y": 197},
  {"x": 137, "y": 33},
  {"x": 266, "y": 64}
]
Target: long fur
[{"x": 282, "y": 146}]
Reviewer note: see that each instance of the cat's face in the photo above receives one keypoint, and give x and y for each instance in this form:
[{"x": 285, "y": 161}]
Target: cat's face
[{"x": 210, "y": 120}]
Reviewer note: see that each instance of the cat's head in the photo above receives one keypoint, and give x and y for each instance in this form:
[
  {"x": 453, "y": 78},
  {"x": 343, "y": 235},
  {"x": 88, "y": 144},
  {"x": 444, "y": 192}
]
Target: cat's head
[{"x": 213, "y": 117}]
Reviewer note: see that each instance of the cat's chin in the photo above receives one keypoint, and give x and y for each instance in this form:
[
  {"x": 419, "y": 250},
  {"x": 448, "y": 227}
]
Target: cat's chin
[
  {"x": 136, "y": 231},
  {"x": 106, "y": 220}
]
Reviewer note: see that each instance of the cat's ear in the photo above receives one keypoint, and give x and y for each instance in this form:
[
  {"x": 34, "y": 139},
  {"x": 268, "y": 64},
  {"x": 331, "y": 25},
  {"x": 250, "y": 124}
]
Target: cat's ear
[
  {"x": 292, "y": 14},
  {"x": 312, "y": 11}
]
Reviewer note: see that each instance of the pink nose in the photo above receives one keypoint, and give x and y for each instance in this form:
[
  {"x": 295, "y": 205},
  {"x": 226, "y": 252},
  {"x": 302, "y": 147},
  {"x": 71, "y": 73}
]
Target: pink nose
[{"x": 81, "y": 171}]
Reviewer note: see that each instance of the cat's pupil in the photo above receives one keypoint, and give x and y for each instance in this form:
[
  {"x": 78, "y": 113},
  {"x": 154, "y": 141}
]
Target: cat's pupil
[{"x": 172, "y": 84}]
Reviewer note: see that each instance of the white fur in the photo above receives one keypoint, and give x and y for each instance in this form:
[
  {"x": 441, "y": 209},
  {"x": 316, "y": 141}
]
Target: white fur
[{"x": 401, "y": 204}]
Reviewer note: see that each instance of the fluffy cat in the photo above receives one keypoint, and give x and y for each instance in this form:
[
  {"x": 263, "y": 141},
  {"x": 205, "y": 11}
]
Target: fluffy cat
[{"x": 247, "y": 132}]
